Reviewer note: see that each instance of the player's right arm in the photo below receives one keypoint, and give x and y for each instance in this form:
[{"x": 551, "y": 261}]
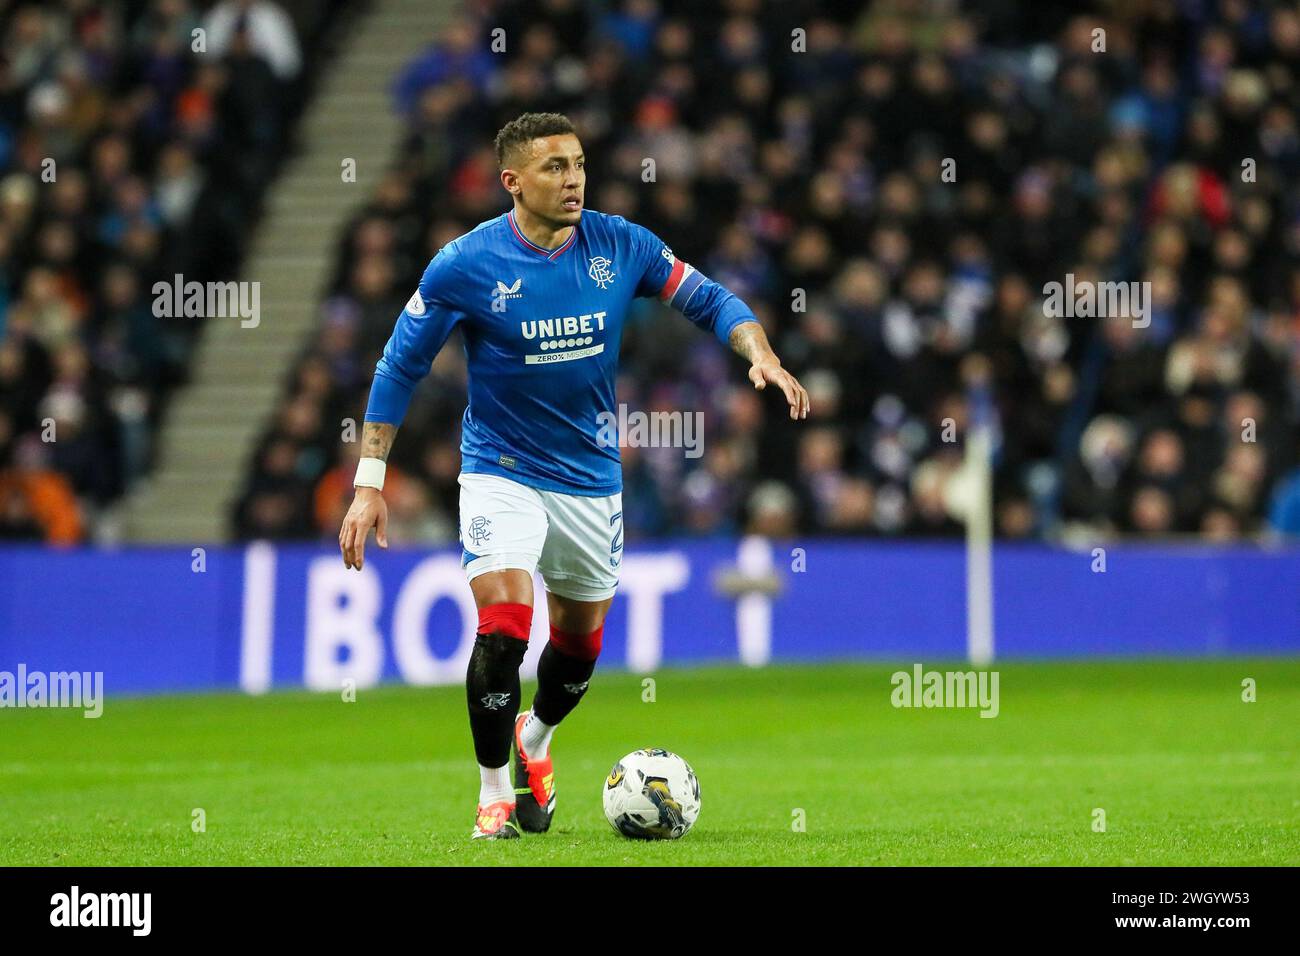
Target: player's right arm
[
  {"x": 418, "y": 336},
  {"x": 368, "y": 510}
]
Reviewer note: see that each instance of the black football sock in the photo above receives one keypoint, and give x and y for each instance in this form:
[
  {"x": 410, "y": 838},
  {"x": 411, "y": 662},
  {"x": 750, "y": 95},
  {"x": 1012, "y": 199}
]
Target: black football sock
[
  {"x": 492, "y": 690},
  {"x": 561, "y": 682}
]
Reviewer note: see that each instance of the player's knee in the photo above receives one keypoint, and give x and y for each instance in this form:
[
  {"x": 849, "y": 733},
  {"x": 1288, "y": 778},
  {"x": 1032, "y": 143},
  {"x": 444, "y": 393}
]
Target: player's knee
[
  {"x": 582, "y": 646},
  {"x": 509, "y": 620}
]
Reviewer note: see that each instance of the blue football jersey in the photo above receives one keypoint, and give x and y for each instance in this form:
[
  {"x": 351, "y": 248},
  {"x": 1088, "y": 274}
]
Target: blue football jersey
[{"x": 542, "y": 329}]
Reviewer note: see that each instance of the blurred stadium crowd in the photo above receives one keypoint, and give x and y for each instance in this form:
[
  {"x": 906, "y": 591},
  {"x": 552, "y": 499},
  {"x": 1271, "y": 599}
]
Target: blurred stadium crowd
[
  {"x": 890, "y": 202},
  {"x": 130, "y": 151},
  {"x": 823, "y": 171}
]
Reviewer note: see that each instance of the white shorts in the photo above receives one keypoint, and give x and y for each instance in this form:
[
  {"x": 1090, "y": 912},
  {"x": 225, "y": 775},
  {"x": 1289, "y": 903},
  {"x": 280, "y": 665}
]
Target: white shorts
[{"x": 575, "y": 541}]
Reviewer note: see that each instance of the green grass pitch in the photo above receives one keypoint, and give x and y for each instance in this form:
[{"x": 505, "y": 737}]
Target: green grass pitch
[{"x": 1186, "y": 772}]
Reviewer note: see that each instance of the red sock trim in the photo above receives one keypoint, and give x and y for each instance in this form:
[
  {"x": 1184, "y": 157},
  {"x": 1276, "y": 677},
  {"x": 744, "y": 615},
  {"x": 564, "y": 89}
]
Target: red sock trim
[
  {"x": 513, "y": 620},
  {"x": 583, "y": 646}
]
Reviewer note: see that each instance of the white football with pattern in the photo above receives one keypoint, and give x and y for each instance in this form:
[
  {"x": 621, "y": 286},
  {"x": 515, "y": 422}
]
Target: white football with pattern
[{"x": 652, "y": 794}]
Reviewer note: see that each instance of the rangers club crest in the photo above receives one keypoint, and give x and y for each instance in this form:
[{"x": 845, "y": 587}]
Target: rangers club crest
[
  {"x": 601, "y": 272},
  {"x": 478, "y": 532}
]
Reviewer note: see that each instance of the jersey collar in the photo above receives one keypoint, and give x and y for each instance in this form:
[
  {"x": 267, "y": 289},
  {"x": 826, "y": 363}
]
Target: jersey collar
[{"x": 549, "y": 253}]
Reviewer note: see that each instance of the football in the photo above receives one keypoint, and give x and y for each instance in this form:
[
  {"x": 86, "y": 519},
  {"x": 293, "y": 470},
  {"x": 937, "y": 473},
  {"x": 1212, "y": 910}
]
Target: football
[{"x": 652, "y": 795}]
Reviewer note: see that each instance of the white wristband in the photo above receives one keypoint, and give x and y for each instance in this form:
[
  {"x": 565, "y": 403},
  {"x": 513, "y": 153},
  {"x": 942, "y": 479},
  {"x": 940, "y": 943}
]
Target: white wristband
[{"x": 370, "y": 473}]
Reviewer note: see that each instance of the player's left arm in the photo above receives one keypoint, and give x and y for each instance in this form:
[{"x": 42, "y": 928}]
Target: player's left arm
[
  {"x": 749, "y": 341},
  {"x": 718, "y": 310}
]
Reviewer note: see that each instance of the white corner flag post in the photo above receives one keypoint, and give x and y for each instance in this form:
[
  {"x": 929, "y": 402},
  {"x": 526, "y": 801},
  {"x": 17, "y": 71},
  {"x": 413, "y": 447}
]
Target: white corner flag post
[{"x": 979, "y": 547}]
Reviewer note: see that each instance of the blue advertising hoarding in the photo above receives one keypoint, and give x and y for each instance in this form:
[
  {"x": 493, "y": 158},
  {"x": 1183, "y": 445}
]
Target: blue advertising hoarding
[{"x": 270, "y": 616}]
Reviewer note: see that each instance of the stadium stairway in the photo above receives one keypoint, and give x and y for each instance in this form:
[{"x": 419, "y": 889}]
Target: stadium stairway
[{"x": 239, "y": 372}]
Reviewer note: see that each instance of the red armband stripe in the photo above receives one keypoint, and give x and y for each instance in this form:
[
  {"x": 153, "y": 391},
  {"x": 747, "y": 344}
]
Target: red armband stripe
[{"x": 674, "y": 281}]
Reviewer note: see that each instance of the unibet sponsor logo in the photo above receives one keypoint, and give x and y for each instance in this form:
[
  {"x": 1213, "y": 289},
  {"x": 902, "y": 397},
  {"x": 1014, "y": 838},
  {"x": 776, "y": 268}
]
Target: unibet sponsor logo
[
  {"x": 568, "y": 325},
  {"x": 565, "y": 338}
]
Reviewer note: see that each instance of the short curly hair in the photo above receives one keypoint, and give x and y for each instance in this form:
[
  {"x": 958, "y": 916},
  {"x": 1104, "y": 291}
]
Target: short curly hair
[{"x": 526, "y": 128}]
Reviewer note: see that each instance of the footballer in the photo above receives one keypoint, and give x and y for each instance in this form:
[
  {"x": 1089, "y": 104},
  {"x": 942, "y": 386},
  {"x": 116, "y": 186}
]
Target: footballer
[{"x": 540, "y": 295}]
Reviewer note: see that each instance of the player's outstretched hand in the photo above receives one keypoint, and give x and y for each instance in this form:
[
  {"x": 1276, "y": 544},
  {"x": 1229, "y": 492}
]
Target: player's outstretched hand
[
  {"x": 764, "y": 373},
  {"x": 368, "y": 510}
]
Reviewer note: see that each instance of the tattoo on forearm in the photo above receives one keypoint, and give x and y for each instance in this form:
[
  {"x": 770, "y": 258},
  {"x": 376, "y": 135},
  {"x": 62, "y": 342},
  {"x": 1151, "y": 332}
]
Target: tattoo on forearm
[
  {"x": 377, "y": 439},
  {"x": 749, "y": 341}
]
